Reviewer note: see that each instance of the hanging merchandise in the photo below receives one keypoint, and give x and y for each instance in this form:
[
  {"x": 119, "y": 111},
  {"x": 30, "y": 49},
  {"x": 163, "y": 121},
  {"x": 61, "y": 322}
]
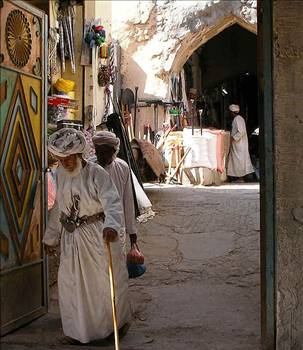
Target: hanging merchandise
[
  {"x": 104, "y": 51},
  {"x": 53, "y": 40},
  {"x": 113, "y": 60},
  {"x": 62, "y": 46},
  {"x": 95, "y": 36},
  {"x": 67, "y": 37},
  {"x": 66, "y": 20},
  {"x": 70, "y": 19},
  {"x": 103, "y": 75},
  {"x": 108, "y": 54}
]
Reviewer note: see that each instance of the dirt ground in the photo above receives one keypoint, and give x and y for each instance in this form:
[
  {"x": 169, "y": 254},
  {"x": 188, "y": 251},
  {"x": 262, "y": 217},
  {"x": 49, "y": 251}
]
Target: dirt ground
[{"x": 201, "y": 290}]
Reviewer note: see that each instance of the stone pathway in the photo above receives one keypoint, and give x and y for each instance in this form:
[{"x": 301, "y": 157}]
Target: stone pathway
[{"x": 201, "y": 290}]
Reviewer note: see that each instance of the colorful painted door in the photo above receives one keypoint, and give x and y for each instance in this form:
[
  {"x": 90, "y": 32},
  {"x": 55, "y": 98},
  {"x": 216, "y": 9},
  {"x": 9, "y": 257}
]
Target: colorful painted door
[{"x": 22, "y": 163}]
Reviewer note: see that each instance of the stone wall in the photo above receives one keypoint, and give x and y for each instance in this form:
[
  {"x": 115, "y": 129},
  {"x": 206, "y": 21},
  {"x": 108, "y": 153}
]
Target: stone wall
[
  {"x": 288, "y": 126},
  {"x": 157, "y": 38}
]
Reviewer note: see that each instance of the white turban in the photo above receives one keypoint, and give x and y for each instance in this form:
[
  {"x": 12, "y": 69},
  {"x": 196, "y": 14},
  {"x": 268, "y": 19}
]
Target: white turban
[
  {"x": 67, "y": 141},
  {"x": 234, "y": 108},
  {"x": 106, "y": 138}
]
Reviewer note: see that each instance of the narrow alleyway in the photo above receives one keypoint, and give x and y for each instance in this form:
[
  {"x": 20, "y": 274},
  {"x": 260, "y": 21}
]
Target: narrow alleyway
[{"x": 201, "y": 290}]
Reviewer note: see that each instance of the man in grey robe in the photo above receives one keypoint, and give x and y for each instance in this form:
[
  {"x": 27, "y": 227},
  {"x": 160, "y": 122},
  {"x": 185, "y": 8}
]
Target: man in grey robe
[
  {"x": 87, "y": 213},
  {"x": 107, "y": 146}
]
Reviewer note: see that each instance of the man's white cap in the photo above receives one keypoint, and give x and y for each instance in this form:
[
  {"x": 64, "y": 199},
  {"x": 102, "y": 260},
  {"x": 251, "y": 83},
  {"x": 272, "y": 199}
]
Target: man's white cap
[{"x": 234, "y": 108}]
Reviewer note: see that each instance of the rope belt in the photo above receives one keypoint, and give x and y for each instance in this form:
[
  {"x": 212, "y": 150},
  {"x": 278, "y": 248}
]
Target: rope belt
[{"x": 70, "y": 223}]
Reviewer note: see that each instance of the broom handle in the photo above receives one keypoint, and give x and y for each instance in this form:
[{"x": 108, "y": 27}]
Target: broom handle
[
  {"x": 113, "y": 296},
  {"x": 178, "y": 165}
]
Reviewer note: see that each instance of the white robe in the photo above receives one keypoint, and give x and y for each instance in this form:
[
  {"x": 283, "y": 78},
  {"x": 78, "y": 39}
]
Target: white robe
[
  {"x": 239, "y": 162},
  {"x": 83, "y": 280},
  {"x": 120, "y": 174}
]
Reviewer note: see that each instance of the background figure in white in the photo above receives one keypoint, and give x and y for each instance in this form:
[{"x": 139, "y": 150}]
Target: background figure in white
[
  {"x": 83, "y": 279},
  {"x": 107, "y": 146},
  {"x": 239, "y": 162}
]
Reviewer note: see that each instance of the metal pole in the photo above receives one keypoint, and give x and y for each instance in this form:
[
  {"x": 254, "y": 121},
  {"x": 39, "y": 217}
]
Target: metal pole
[{"x": 192, "y": 116}]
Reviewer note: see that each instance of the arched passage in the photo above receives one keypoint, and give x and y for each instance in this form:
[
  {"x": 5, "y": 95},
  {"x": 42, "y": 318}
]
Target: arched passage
[{"x": 194, "y": 40}]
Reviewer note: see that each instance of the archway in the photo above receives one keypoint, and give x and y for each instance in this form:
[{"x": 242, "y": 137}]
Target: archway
[{"x": 194, "y": 40}]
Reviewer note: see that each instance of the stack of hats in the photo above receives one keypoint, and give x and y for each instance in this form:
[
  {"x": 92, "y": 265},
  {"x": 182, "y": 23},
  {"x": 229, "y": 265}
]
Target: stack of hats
[{"x": 66, "y": 88}]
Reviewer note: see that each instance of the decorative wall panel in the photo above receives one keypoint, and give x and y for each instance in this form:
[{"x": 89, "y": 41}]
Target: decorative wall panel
[
  {"x": 20, "y": 167},
  {"x": 22, "y": 146},
  {"x": 22, "y": 46}
]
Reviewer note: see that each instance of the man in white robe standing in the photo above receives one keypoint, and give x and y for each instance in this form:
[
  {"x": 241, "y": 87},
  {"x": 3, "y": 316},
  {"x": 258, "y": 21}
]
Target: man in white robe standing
[
  {"x": 87, "y": 213},
  {"x": 107, "y": 146},
  {"x": 239, "y": 162}
]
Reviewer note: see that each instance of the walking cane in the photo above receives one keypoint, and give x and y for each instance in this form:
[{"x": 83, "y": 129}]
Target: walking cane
[{"x": 113, "y": 296}]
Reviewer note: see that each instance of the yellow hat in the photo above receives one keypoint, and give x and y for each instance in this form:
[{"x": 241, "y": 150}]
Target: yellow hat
[{"x": 64, "y": 85}]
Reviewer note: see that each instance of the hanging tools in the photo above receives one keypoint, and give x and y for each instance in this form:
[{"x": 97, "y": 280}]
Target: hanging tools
[
  {"x": 113, "y": 295},
  {"x": 71, "y": 27},
  {"x": 135, "y": 111},
  {"x": 62, "y": 48},
  {"x": 128, "y": 100}
]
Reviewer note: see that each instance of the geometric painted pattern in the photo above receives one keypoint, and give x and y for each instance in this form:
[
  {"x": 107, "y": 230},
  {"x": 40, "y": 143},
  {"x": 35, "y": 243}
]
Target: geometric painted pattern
[
  {"x": 34, "y": 100},
  {"x": 20, "y": 169}
]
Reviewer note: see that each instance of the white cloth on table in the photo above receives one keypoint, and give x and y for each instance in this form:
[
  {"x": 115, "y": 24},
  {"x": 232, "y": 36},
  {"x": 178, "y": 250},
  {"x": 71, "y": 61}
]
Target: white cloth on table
[
  {"x": 203, "y": 150},
  {"x": 239, "y": 162},
  {"x": 83, "y": 279}
]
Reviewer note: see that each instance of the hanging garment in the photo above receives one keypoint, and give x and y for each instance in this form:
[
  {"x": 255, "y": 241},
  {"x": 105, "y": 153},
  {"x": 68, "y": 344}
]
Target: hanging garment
[
  {"x": 239, "y": 162},
  {"x": 83, "y": 279},
  {"x": 144, "y": 204}
]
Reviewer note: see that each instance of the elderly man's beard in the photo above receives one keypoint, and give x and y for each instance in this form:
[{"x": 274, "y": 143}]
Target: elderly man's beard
[{"x": 77, "y": 169}]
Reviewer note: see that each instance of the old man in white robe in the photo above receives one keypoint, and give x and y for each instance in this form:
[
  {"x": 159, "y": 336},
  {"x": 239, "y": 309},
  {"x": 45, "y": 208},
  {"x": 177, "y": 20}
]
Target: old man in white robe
[
  {"x": 87, "y": 212},
  {"x": 107, "y": 146},
  {"x": 239, "y": 162}
]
